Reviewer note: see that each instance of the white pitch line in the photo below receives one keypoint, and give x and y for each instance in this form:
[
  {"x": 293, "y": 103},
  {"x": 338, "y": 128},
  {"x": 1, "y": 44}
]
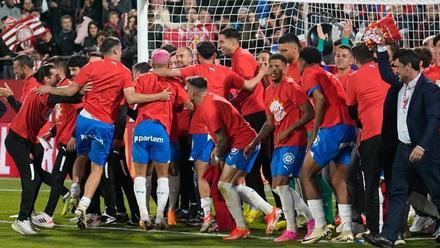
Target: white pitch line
[
  {"x": 188, "y": 233},
  {"x": 19, "y": 190}
]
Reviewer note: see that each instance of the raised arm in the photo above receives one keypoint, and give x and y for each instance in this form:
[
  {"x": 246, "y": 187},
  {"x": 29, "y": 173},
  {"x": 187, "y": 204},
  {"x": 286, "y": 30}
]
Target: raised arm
[
  {"x": 385, "y": 70},
  {"x": 70, "y": 90}
]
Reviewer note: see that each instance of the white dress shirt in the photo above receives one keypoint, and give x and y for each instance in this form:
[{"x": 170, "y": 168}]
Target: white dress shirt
[{"x": 403, "y": 101}]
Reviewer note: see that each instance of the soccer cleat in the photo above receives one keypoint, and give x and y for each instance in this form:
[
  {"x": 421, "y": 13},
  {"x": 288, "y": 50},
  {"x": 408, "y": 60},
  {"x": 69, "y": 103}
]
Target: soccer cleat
[
  {"x": 238, "y": 233},
  {"x": 43, "y": 220},
  {"x": 108, "y": 219},
  {"x": 80, "y": 214},
  {"x": 160, "y": 222},
  {"x": 400, "y": 241},
  {"x": 23, "y": 227},
  {"x": 145, "y": 224},
  {"x": 287, "y": 236},
  {"x": 93, "y": 220},
  {"x": 171, "y": 218},
  {"x": 253, "y": 215},
  {"x": 310, "y": 227},
  {"x": 318, "y": 234},
  {"x": 420, "y": 223},
  {"x": 344, "y": 237},
  {"x": 361, "y": 235},
  {"x": 272, "y": 219},
  {"x": 209, "y": 224}
]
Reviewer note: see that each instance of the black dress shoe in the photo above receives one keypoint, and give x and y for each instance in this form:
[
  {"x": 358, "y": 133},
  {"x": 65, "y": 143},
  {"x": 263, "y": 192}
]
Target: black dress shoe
[{"x": 378, "y": 240}]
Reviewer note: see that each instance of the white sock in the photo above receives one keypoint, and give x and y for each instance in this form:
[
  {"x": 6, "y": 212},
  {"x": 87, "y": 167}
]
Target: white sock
[
  {"x": 149, "y": 186},
  {"x": 233, "y": 202},
  {"x": 288, "y": 204},
  {"x": 206, "y": 203},
  {"x": 163, "y": 190},
  {"x": 140, "y": 193},
  {"x": 85, "y": 202},
  {"x": 254, "y": 197},
  {"x": 174, "y": 191},
  {"x": 317, "y": 210},
  {"x": 75, "y": 190},
  {"x": 345, "y": 214},
  {"x": 300, "y": 206}
]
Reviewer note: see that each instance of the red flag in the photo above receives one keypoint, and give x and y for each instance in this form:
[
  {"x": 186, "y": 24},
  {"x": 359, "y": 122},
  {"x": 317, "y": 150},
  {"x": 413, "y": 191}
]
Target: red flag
[{"x": 22, "y": 31}]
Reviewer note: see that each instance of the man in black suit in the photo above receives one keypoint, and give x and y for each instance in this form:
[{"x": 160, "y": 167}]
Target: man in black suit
[{"x": 412, "y": 116}]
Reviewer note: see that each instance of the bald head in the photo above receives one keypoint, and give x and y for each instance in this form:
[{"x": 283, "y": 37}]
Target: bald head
[{"x": 160, "y": 58}]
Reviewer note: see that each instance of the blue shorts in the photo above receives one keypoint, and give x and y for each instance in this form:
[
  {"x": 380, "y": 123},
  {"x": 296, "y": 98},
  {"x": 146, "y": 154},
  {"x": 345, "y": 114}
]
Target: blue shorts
[
  {"x": 334, "y": 144},
  {"x": 287, "y": 160},
  {"x": 174, "y": 152},
  {"x": 202, "y": 146},
  {"x": 150, "y": 143},
  {"x": 236, "y": 159},
  {"x": 94, "y": 138}
]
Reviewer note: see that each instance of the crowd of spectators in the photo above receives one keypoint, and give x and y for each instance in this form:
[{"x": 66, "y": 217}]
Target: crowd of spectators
[{"x": 79, "y": 26}]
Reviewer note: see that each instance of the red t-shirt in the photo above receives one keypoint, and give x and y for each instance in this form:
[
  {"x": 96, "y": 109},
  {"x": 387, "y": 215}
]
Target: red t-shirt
[
  {"x": 342, "y": 78},
  {"x": 336, "y": 112},
  {"x": 32, "y": 116},
  {"x": 432, "y": 72},
  {"x": 292, "y": 72},
  {"x": 197, "y": 126},
  {"x": 217, "y": 113},
  {"x": 29, "y": 85},
  {"x": 367, "y": 90},
  {"x": 245, "y": 65},
  {"x": 282, "y": 101},
  {"x": 65, "y": 118},
  {"x": 181, "y": 118},
  {"x": 109, "y": 78},
  {"x": 162, "y": 111},
  {"x": 221, "y": 79}
]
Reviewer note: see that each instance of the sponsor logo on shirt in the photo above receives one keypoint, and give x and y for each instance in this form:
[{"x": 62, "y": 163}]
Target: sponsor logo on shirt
[
  {"x": 277, "y": 109},
  {"x": 148, "y": 139}
]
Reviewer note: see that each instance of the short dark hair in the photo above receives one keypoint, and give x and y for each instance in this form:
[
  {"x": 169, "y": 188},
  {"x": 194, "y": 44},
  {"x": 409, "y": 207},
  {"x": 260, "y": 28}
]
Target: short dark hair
[
  {"x": 424, "y": 55},
  {"x": 198, "y": 82},
  {"x": 265, "y": 51},
  {"x": 108, "y": 44},
  {"x": 170, "y": 48},
  {"x": 24, "y": 60},
  {"x": 289, "y": 38},
  {"x": 96, "y": 54},
  {"x": 206, "y": 49},
  {"x": 394, "y": 47},
  {"x": 43, "y": 71},
  {"x": 362, "y": 54},
  {"x": 77, "y": 61},
  {"x": 231, "y": 33},
  {"x": 58, "y": 62},
  {"x": 65, "y": 17},
  {"x": 278, "y": 56},
  {"x": 436, "y": 39},
  {"x": 345, "y": 47},
  {"x": 112, "y": 13},
  {"x": 408, "y": 56},
  {"x": 310, "y": 55},
  {"x": 338, "y": 42},
  {"x": 141, "y": 67}
]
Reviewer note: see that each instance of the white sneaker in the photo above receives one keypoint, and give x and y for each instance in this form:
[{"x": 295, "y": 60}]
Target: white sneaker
[
  {"x": 160, "y": 222},
  {"x": 23, "y": 227},
  {"x": 420, "y": 223},
  {"x": 43, "y": 220},
  {"x": 80, "y": 213},
  {"x": 400, "y": 241}
]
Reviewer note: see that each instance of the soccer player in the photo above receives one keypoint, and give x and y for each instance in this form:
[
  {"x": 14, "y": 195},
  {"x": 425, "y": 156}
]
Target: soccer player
[
  {"x": 250, "y": 104},
  {"x": 287, "y": 111},
  {"x": 22, "y": 136},
  {"x": 65, "y": 118},
  {"x": 288, "y": 46},
  {"x": 184, "y": 57},
  {"x": 221, "y": 80},
  {"x": 151, "y": 137},
  {"x": 231, "y": 134},
  {"x": 94, "y": 128},
  {"x": 433, "y": 72},
  {"x": 365, "y": 96},
  {"x": 343, "y": 62},
  {"x": 333, "y": 137}
]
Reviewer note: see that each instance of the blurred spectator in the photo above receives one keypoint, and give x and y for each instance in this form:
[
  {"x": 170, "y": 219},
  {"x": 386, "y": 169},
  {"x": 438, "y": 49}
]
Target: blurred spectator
[
  {"x": 46, "y": 46},
  {"x": 206, "y": 23},
  {"x": 225, "y": 22},
  {"x": 59, "y": 8},
  {"x": 263, "y": 9},
  {"x": 154, "y": 33},
  {"x": 10, "y": 9},
  {"x": 100, "y": 38},
  {"x": 82, "y": 30},
  {"x": 120, "y": 6},
  {"x": 66, "y": 38},
  {"x": 251, "y": 36},
  {"x": 241, "y": 18},
  {"x": 430, "y": 22},
  {"x": 27, "y": 8},
  {"x": 275, "y": 22},
  {"x": 92, "y": 31},
  {"x": 113, "y": 23},
  {"x": 92, "y": 9},
  {"x": 129, "y": 53}
]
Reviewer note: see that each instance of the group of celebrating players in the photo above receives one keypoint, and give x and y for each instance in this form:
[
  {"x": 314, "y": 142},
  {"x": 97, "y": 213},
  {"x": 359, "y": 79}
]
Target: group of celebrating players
[{"x": 288, "y": 98}]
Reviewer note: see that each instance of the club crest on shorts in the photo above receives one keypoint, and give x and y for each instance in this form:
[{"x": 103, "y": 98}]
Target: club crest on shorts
[
  {"x": 234, "y": 151},
  {"x": 288, "y": 158}
]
